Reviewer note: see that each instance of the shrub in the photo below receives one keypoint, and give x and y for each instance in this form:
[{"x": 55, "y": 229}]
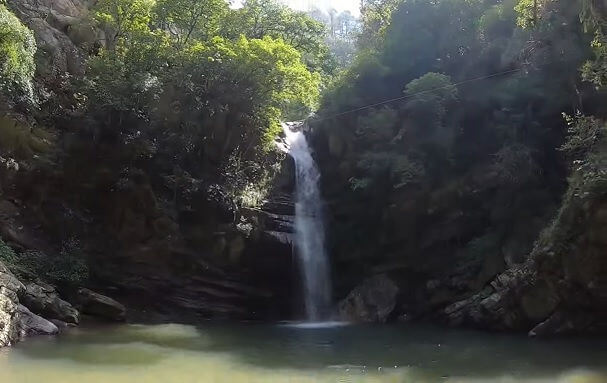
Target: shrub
[
  {"x": 17, "y": 49},
  {"x": 69, "y": 267},
  {"x": 7, "y": 255}
]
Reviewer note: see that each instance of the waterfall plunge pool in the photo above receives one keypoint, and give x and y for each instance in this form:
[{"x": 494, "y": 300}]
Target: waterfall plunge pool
[{"x": 261, "y": 353}]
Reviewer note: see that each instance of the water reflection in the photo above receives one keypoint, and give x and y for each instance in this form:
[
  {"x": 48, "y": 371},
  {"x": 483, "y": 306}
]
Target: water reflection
[{"x": 264, "y": 353}]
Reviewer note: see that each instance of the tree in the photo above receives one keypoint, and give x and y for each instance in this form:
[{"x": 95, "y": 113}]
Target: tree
[
  {"x": 529, "y": 12},
  {"x": 185, "y": 19},
  {"x": 120, "y": 18},
  {"x": 593, "y": 15},
  {"x": 429, "y": 96},
  {"x": 259, "y": 18},
  {"x": 239, "y": 89},
  {"x": 17, "y": 49},
  {"x": 375, "y": 16}
]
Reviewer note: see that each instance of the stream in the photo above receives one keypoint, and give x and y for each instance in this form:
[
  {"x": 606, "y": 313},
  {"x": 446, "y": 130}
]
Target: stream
[{"x": 264, "y": 353}]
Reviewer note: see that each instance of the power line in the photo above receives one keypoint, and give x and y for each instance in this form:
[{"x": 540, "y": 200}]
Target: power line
[{"x": 417, "y": 93}]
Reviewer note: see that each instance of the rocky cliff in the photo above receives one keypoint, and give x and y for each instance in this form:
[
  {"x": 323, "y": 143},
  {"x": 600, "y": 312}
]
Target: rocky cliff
[{"x": 562, "y": 287}]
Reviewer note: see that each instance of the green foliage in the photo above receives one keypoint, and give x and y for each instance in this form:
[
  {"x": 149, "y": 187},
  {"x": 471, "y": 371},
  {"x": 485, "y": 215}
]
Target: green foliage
[
  {"x": 69, "y": 267},
  {"x": 126, "y": 79},
  {"x": 515, "y": 165},
  {"x": 529, "y": 12},
  {"x": 257, "y": 78},
  {"x": 249, "y": 182},
  {"x": 584, "y": 133},
  {"x": 429, "y": 96},
  {"x": 587, "y": 147},
  {"x": 375, "y": 16},
  {"x": 397, "y": 169},
  {"x": 257, "y": 19},
  {"x": 187, "y": 19},
  {"x": 122, "y": 18},
  {"x": 17, "y": 49},
  {"x": 195, "y": 89},
  {"x": 465, "y": 143},
  {"x": 595, "y": 70},
  {"x": 7, "y": 254},
  {"x": 378, "y": 125},
  {"x": 497, "y": 21},
  {"x": 593, "y": 17}
]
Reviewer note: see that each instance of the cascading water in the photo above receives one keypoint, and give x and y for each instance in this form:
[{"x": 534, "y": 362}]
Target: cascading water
[{"x": 309, "y": 226}]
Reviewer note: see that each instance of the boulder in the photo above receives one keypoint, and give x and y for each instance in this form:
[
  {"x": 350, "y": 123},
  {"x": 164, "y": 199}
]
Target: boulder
[
  {"x": 43, "y": 299},
  {"x": 101, "y": 306},
  {"x": 10, "y": 288},
  {"x": 373, "y": 301},
  {"x": 31, "y": 324}
]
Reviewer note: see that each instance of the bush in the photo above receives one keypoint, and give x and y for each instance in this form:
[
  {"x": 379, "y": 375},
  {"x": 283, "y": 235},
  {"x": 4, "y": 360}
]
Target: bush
[
  {"x": 17, "y": 49},
  {"x": 7, "y": 255},
  {"x": 67, "y": 268},
  {"x": 70, "y": 266}
]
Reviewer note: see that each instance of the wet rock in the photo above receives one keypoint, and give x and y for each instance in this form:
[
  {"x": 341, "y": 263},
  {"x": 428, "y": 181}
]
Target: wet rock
[
  {"x": 31, "y": 324},
  {"x": 373, "y": 301},
  {"x": 101, "y": 306},
  {"x": 44, "y": 300},
  {"x": 10, "y": 288},
  {"x": 235, "y": 248},
  {"x": 539, "y": 302},
  {"x": 563, "y": 323},
  {"x": 61, "y": 325}
]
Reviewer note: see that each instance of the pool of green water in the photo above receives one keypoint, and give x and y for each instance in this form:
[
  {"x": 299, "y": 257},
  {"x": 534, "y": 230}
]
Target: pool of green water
[{"x": 254, "y": 353}]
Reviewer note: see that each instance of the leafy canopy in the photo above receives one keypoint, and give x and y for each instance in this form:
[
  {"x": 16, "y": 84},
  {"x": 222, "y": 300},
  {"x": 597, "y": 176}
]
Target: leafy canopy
[{"x": 259, "y": 18}]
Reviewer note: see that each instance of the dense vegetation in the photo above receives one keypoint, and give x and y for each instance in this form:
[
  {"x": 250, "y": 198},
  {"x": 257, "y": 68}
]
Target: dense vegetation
[
  {"x": 209, "y": 84},
  {"x": 458, "y": 171},
  {"x": 17, "y": 48}
]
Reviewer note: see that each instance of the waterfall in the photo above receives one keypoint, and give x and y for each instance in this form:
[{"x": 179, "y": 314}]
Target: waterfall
[{"x": 309, "y": 226}]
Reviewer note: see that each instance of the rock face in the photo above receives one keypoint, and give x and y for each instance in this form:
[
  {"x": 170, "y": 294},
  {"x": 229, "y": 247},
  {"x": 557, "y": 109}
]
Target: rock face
[
  {"x": 373, "y": 301},
  {"x": 31, "y": 324},
  {"x": 51, "y": 21},
  {"x": 561, "y": 288},
  {"x": 16, "y": 320},
  {"x": 44, "y": 300},
  {"x": 101, "y": 306},
  {"x": 10, "y": 288}
]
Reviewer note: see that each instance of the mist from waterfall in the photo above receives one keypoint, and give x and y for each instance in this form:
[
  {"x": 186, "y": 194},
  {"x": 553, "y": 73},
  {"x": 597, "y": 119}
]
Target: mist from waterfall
[{"x": 309, "y": 226}]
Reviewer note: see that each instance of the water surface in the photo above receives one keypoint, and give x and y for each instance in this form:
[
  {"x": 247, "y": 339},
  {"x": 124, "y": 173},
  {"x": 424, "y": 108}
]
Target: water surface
[{"x": 256, "y": 353}]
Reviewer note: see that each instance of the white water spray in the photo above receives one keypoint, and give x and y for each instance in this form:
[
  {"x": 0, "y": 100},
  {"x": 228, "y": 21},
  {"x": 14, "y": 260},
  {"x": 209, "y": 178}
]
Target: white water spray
[{"x": 309, "y": 227}]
